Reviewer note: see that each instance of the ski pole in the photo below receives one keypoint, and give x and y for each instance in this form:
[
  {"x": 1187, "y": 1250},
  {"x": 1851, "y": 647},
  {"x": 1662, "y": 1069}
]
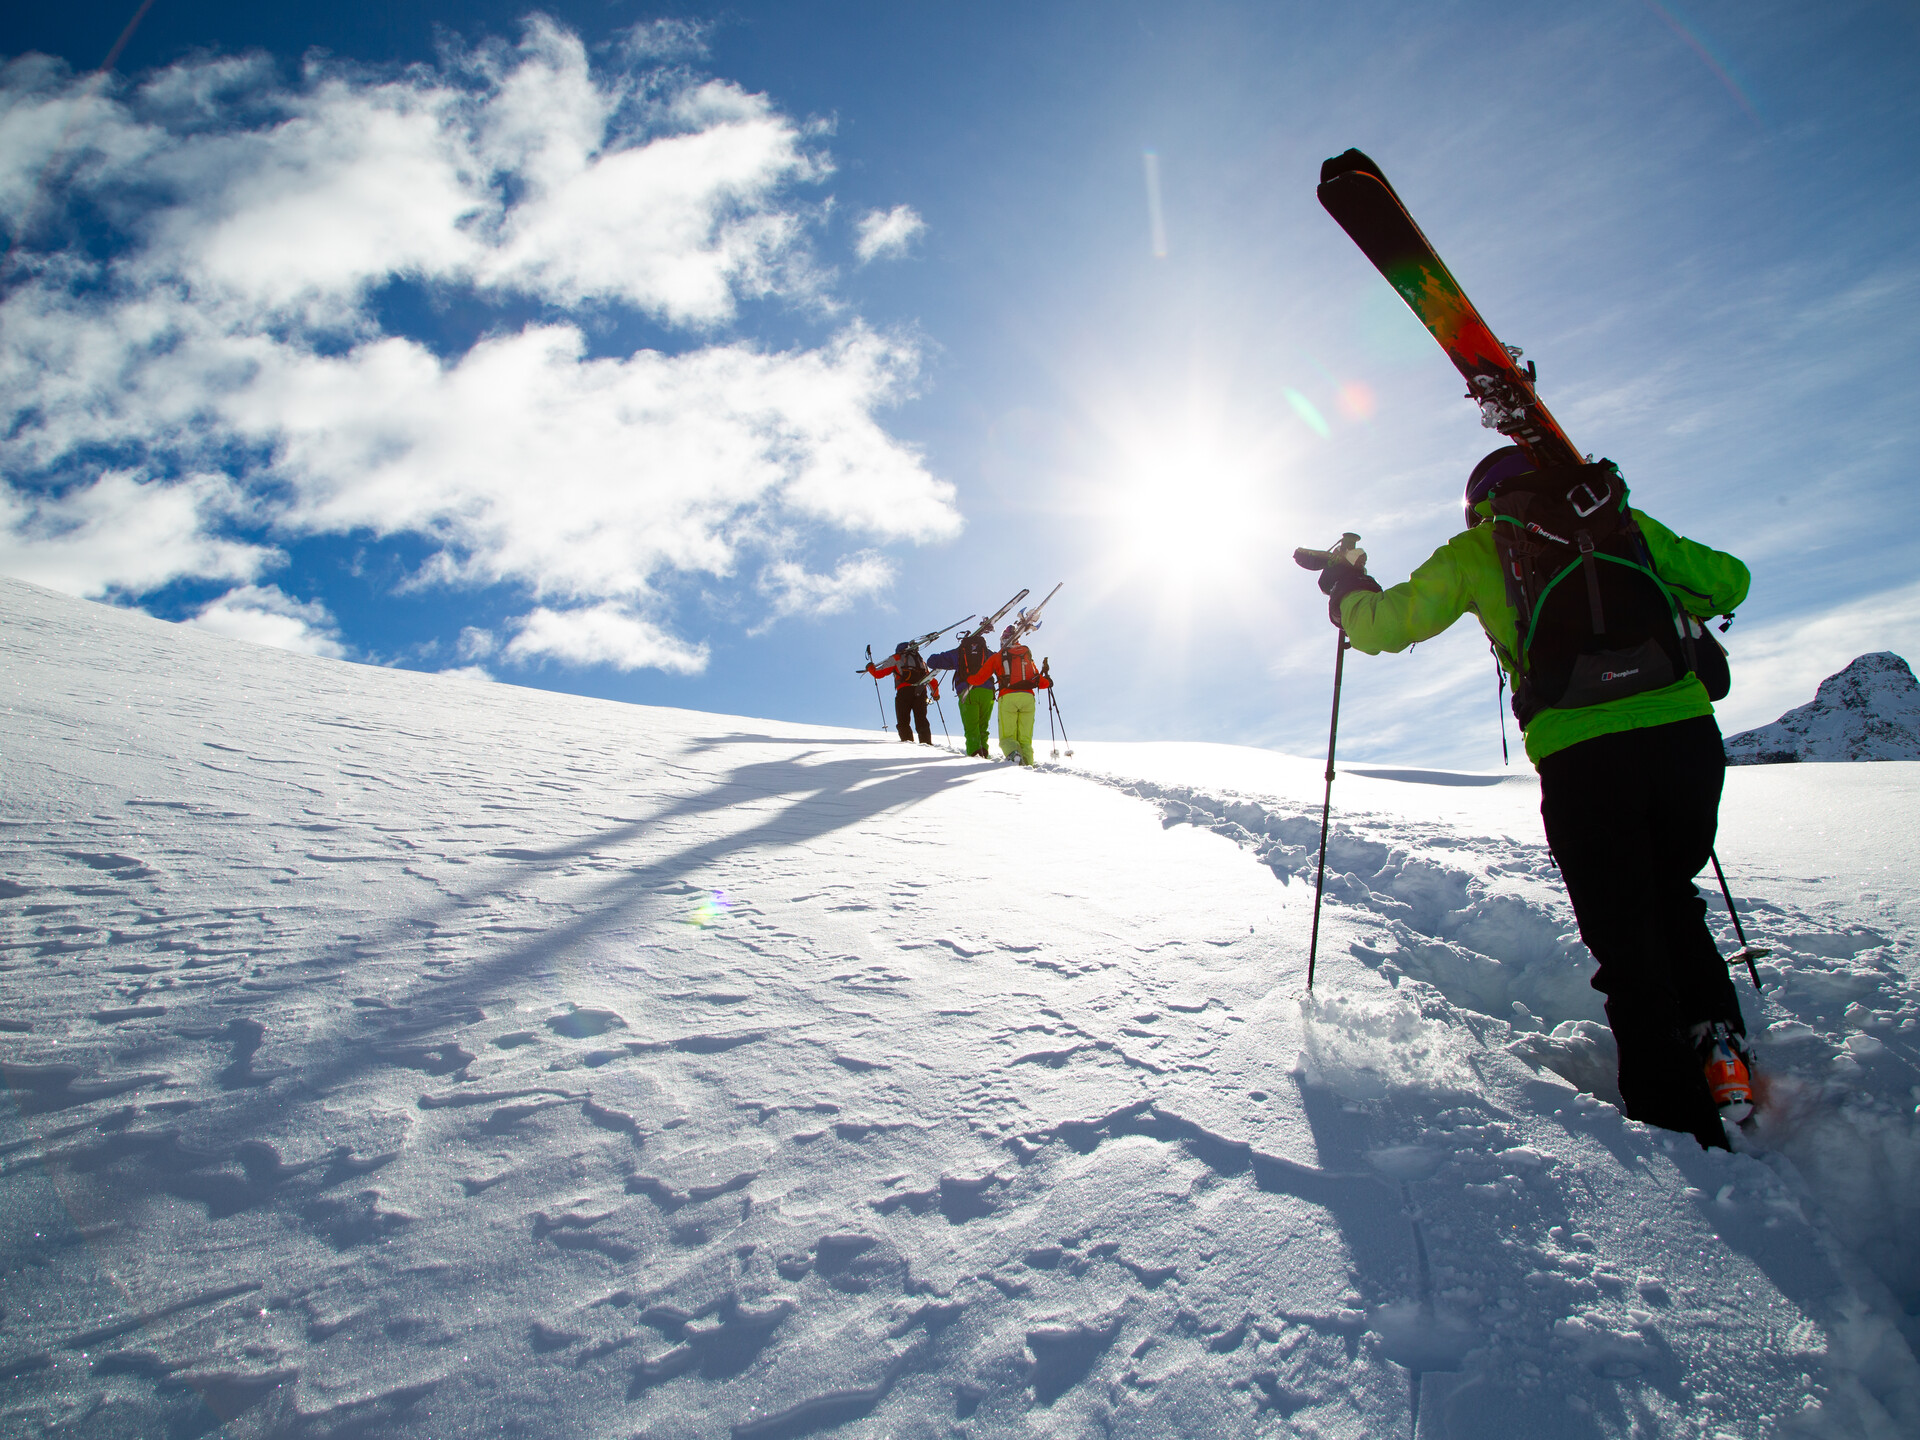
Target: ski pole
[
  {"x": 1747, "y": 952},
  {"x": 1326, "y": 805},
  {"x": 1054, "y": 709},
  {"x": 876, "y": 692},
  {"x": 1055, "y": 739},
  {"x": 948, "y": 734}
]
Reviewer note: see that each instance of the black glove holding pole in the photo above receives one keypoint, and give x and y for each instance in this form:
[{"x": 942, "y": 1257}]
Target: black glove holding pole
[{"x": 1343, "y": 570}]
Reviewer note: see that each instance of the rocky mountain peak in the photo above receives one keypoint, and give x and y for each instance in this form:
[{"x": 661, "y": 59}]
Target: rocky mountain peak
[{"x": 1868, "y": 711}]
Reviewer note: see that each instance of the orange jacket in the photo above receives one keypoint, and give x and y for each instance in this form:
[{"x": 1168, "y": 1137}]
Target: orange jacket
[{"x": 1016, "y": 671}]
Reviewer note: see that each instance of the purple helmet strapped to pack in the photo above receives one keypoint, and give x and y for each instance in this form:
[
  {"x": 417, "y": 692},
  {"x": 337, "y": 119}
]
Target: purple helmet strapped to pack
[{"x": 1509, "y": 462}]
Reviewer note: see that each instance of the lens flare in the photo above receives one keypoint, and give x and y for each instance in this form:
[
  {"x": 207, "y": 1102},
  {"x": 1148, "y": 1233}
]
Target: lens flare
[
  {"x": 1356, "y": 400},
  {"x": 1156, "y": 216},
  {"x": 709, "y": 911},
  {"x": 1695, "y": 39},
  {"x": 1304, "y": 408}
]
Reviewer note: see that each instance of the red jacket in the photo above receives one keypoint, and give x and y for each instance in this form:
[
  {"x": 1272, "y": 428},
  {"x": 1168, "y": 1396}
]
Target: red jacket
[
  {"x": 891, "y": 666},
  {"x": 1017, "y": 673}
]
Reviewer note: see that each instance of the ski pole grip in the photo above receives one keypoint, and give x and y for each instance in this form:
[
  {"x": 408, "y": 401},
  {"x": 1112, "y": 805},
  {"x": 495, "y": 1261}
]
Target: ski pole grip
[{"x": 1346, "y": 550}]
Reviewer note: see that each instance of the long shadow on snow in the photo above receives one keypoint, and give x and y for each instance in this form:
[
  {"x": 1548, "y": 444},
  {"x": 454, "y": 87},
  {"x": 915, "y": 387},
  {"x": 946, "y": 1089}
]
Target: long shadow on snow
[
  {"x": 823, "y": 798},
  {"x": 703, "y": 743},
  {"x": 821, "y": 808}
]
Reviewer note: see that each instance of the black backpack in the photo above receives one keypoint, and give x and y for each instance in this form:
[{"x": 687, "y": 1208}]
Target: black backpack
[
  {"x": 1595, "y": 620},
  {"x": 913, "y": 670},
  {"x": 973, "y": 654}
]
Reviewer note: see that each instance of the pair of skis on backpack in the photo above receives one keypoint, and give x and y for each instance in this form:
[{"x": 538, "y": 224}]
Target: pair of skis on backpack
[
  {"x": 1024, "y": 623},
  {"x": 1573, "y": 524},
  {"x": 1355, "y": 192},
  {"x": 907, "y": 652}
]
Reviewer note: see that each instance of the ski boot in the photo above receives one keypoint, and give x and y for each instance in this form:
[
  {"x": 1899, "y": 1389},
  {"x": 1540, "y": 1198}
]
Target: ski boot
[{"x": 1729, "y": 1066}]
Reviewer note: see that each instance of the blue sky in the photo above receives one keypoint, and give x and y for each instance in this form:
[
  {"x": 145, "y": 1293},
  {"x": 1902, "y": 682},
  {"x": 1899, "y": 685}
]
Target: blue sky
[{"x": 676, "y": 354}]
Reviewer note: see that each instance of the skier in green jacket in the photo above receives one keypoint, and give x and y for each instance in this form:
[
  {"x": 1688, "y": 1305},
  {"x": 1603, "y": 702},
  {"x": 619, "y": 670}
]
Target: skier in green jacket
[
  {"x": 1629, "y": 783},
  {"x": 972, "y": 663}
]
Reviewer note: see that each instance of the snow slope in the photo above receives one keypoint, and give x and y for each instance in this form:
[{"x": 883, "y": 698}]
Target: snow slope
[
  {"x": 399, "y": 1054},
  {"x": 1868, "y": 711}
]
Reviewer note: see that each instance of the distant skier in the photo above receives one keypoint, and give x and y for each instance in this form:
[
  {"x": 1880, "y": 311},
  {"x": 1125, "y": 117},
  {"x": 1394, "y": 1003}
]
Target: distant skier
[
  {"x": 910, "y": 679},
  {"x": 1019, "y": 677},
  {"x": 972, "y": 663},
  {"x": 1607, "y": 676}
]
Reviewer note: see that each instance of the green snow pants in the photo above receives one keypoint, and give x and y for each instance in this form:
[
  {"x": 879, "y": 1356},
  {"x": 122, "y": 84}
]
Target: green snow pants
[
  {"x": 976, "y": 709},
  {"x": 1016, "y": 726}
]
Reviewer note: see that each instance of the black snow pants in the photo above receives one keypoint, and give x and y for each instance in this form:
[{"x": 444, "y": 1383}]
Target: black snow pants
[
  {"x": 1631, "y": 818},
  {"x": 910, "y": 711}
]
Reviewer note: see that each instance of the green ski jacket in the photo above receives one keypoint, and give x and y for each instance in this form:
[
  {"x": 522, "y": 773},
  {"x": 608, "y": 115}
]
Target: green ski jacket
[{"x": 1463, "y": 577}]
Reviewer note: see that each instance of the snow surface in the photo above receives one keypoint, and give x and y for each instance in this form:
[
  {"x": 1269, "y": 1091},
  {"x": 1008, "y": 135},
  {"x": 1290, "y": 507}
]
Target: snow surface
[
  {"x": 401, "y": 1054},
  {"x": 1869, "y": 711}
]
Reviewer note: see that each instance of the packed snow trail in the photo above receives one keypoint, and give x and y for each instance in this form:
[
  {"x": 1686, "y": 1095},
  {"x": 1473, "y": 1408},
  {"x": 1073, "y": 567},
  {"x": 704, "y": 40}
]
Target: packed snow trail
[{"x": 398, "y": 1054}]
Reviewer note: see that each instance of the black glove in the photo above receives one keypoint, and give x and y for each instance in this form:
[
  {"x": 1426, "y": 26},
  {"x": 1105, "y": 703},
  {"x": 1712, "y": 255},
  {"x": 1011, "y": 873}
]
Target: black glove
[{"x": 1339, "y": 580}]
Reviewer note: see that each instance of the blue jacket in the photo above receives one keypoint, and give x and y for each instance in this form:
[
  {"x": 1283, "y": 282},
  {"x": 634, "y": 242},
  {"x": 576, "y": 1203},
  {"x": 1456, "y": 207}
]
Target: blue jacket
[{"x": 950, "y": 660}]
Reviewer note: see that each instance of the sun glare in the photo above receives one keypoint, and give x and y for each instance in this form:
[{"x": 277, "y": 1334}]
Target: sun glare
[{"x": 1190, "y": 511}]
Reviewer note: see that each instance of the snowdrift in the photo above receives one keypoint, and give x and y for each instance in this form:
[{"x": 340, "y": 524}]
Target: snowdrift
[{"x": 396, "y": 1054}]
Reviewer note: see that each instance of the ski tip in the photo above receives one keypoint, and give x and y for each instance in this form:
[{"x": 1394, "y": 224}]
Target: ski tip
[{"x": 1348, "y": 162}]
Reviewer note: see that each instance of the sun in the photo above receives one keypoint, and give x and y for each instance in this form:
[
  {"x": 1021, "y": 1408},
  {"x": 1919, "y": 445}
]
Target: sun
[{"x": 1190, "y": 507}]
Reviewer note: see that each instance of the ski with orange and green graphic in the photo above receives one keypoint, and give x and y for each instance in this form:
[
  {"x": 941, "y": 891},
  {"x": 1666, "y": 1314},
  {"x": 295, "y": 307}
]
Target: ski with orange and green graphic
[{"x": 1355, "y": 192}]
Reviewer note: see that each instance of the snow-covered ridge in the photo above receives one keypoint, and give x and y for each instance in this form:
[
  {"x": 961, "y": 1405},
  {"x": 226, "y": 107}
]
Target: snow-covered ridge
[
  {"x": 1868, "y": 711},
  {"x": 400, "y": 1055}
]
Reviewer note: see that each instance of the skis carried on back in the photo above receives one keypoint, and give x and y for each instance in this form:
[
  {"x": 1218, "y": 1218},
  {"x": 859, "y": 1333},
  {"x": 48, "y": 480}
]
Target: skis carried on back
[
  {"x": 1355, "y": 192},
  {"x": 934, "y": 635},
  {"x": 992, "y": 620},
  {"x": 1029, "y": 620},
  {"x": 913, "y": 645}
]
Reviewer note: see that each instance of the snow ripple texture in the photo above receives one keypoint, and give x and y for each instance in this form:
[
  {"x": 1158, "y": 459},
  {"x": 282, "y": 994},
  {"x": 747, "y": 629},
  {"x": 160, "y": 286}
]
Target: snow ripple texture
[{"x": 391, "y": 1054}]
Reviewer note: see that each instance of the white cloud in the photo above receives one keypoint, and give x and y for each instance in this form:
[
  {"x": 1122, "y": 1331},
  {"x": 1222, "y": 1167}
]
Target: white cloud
[
  {"x": 665, "y": 40},
  {"x": 679, "y": 225},
  {"x": 236, "y": 331},
  {"x": 794, "y": 590},
  {"x": 477, "y": 644},
  {"x": 602, "y": 635},
  {"x": 470, "y": 672},
  {"x": 122, "y": 534},
  {"x": 587, "y": 478},
  {"x": 265, "y": 615},
  {"x": 887, "y": 234},
  {"x": 518, "y": 170}
]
